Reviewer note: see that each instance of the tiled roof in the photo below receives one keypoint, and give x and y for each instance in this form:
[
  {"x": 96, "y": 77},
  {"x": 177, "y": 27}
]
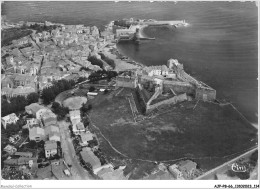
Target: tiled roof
[
  {"x": 34, "y": 107},
  {"x": 50, "y": 145},
  {"x": 89, "y": 156}
]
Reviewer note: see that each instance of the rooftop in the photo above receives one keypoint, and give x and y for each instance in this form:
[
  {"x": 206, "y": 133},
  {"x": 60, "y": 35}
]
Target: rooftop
[{"x": 49, "y": 145}]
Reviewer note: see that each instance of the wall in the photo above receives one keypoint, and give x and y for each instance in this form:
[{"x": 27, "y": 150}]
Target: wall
[
  {"x": 130, "y": 83},
  {"x": 178, "y": 87},
  {"x": 205, "y": 94},
  {"x": 173, "y": 100}
]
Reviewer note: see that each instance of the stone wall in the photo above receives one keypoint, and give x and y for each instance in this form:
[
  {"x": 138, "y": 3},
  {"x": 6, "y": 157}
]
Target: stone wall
[
  {"x": 178, "y": 87},
  {"x": 205, "y": 94},
  {"x": 173, "y": 100},
  {"x": 126, "y": 82}
]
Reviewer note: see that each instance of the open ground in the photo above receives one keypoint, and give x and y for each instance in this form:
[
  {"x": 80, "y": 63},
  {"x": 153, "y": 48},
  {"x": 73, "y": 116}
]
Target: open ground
[{"x": 210, "y": 134}]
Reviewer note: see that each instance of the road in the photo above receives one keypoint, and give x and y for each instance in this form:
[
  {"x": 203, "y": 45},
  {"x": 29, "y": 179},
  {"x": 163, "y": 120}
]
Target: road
[
  {"x": 224, "y": 167},
  {"x": 78, "y": 172}
]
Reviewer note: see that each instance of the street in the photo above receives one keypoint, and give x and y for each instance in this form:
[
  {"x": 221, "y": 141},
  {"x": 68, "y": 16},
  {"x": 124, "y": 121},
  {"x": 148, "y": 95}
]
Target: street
[{"x": 78, "y": 172}]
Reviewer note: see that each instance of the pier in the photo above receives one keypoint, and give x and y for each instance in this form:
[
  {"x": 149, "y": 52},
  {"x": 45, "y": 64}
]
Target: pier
[{"x": 161, "y": 23}]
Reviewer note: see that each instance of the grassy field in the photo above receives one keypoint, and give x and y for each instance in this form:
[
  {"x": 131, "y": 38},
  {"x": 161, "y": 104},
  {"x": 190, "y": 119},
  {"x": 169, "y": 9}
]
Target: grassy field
[{"x": 209, "y": 132}]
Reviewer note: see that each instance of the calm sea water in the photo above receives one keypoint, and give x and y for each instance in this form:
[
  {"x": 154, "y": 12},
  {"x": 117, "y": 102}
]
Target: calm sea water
[{"x": 219, "y": 47}]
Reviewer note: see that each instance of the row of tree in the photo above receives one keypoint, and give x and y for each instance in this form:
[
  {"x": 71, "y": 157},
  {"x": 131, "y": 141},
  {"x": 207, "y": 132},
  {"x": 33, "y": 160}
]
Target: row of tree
[
  {"x": 49, "y": 94},
  {"x": 102, "y": 74},
  {"x": 16, "y": 104},
  {"x": 110, "y": 62},
  {"x": 95, "y": 61}
]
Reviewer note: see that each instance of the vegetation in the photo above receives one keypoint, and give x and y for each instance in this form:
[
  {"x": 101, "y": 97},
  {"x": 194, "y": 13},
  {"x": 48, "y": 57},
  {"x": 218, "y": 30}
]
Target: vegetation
[
  {"x": 102, "y": 74},
  {"x": 40, "y": 28},
  {"x": 59, "y": 110},
  {"x": 50, "y": 93},
  {"x": 16, "y": 104},
  {"x": 95, "y": 61},
  {"x": 92, "y": 88},
  {"x": 8, "y": 35},
  {"x": 110, "y": 62},
  {"x": 85, "y": 108}
]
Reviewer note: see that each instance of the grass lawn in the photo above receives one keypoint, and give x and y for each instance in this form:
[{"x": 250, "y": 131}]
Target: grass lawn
[{"x": 209, "y": 130}]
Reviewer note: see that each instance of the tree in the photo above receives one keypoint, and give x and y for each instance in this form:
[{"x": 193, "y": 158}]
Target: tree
[
  {"x": 32, "y": 144},
  {"x": 105, "y": 91},
  {"x": 55, "y": 106},
  {"x": 12, "y": 129},
  {"x": 32, "y": 98},
  {"x": 91, "y": 89},
  {"x": 25, "y": 132},
  {"x": 81, "y": 79},
  {"x": 62, "y": 112}
]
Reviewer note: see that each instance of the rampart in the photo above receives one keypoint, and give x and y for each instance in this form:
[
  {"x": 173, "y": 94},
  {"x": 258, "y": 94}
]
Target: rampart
[
  {"x": 205, "y": 94},
  {"x": 178, "y": 87},
  {"x": 173, "y": 100},
  {"x": 125, "y": 81}
]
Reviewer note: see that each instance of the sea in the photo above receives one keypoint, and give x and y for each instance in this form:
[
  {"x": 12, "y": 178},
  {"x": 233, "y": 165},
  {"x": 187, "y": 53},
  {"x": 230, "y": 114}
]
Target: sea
[{"x": 219, "y": 47}]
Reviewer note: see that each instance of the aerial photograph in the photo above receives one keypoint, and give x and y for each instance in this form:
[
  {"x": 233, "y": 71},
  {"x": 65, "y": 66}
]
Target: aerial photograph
[{"x": 105, "y": 90}]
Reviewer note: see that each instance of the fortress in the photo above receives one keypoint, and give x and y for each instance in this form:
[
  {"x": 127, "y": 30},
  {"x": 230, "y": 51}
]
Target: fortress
[{"x": 157, "y": 86}]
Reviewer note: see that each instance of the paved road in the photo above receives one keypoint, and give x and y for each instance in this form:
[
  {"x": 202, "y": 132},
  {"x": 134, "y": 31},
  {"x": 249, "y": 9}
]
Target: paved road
[
  {"x": 224, "y": 167},
  {"x": 78, "y": 172}
]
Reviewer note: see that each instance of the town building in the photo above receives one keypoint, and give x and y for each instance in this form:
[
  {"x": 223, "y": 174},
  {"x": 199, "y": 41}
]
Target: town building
[
  {"x": 36, "y": 133},
  {"x": 10, "y": 149},
  {"x": 47, "y": 121},
  {"x": 85, "y": 138},
  {"x": 24, "y": 154},
  {"x": 33, "y": 108},
  {"x": 50, "y": 148},
  {"x": 89, "y": 157},
  {"x": 9, "y": 119},
  {"x": 176, "y": 172},
  {"x": 127, "y": 79},
  {"x": 187, "y": 168},
  {"x": 156, "y": 70},
  {"x": 78, "y": 128}
]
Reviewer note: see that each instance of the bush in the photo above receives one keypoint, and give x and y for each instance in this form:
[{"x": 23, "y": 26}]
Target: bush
[
  {"x": 95, "y": 61},
  {"x": 109, "y": 61}
]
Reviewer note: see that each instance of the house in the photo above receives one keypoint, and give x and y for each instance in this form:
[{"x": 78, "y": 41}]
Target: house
[
  {"x": 24, "y": 154},
  {"x": 173, "y": 169},
  {"x": 74, "y": 115},
  {"x": 78, "y": 128},
  {"x": 85, "y": 137},
  {"x": 49, "y": 121},
  {"x": 33, "y": 108},
  {"x": 37, "y": 134},
  {"x": 11, "y": 118},
  {"x": 6, "y": 81},
  {"x": 19, "y": 91},
  {"x": 89, "y": 157},
  {"x": 14, "y": 138},
  {"x": 187, "y": 168},
  {"x": 156, "y": 70},
  {"x": 111, "y": 174},
  {"x": 44, "y": 113},
  {"x": 32, "y": 121},
  {"x": 10, "y": 149},
  {"x": 26, "y": 160},
  {"x": 50, "y": 148},
  {"x": 54, "y": 136},
  {"x": 53, "y": 132}
]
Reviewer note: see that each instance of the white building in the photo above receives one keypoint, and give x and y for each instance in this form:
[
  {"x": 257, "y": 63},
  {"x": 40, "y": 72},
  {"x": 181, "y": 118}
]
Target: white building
[
  {"x": 11, "y": 118},
  {"x": 50, "y": 148}
]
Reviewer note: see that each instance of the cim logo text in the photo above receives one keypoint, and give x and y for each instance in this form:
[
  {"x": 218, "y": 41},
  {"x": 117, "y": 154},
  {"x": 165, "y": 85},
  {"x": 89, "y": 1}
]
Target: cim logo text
[{"x": 238, "y": 167}]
